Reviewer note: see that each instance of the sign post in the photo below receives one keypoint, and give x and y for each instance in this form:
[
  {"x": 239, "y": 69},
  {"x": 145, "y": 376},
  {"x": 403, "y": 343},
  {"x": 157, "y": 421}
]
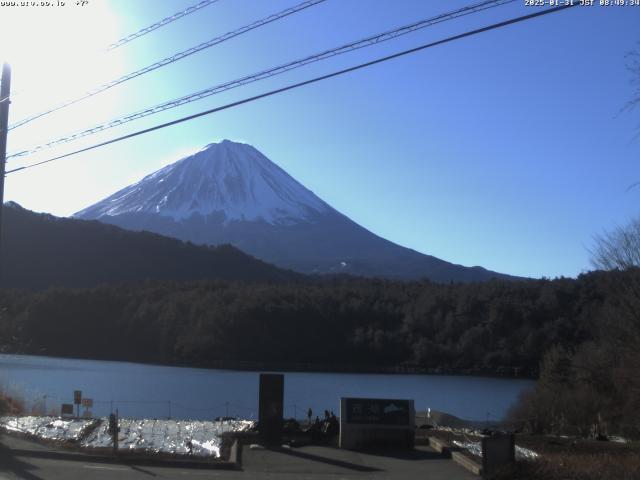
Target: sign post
[
  {"x": 497, "y": 451},
  {"x": 87, "y": 403},
  {"x": 77, "y": 399}
]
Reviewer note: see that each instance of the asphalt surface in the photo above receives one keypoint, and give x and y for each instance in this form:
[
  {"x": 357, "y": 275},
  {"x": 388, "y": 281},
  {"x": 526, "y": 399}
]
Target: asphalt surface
[{"x": 20, "y": 459}]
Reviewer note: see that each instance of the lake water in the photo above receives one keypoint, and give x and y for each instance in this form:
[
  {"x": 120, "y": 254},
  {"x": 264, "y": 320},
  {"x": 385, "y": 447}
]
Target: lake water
[{"x": 152, "y": 391}]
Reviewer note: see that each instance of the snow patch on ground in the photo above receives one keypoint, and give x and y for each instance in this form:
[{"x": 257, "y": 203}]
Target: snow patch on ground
[
  {"x": 48, "y": 428},
  {"x": 475, "y": 448},
  {"x": 181, "y": 437}
]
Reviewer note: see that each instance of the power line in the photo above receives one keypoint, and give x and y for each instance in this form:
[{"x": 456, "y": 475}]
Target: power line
[
  {"x": 173, "y": 58},
  {"x": 144, "y": 31},
  {"x": 184, "y": 407},
  {"x": 349, "y": 47},
  {"x": 161, "y": 23},
  {"x": 303, "y": 83}
]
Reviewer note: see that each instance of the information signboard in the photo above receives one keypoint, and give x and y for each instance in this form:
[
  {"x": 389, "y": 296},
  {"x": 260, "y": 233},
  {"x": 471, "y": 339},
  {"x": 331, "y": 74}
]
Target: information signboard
[
  {"x": 378, "y": 411},
  {"x": 377, "y": 422},
  {"x": 77, "y": 397},
  {"x": 66, "y": 409},
  {"x": 87, "y": 402}
]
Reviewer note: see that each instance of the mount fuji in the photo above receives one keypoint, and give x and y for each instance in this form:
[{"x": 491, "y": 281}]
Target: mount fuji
[{"x": 231, "y": 193}]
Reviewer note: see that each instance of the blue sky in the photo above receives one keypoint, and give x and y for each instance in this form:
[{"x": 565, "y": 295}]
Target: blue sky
[{"x": 506, "y": 150}]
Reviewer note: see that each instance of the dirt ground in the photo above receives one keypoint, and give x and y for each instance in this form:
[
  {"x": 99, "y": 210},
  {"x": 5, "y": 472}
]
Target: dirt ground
[{"x": 564, "y": 458}]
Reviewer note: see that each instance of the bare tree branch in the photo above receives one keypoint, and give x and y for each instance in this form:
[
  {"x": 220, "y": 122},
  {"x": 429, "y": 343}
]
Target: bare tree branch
[
  {"x": 618, "y": 249},
  {"x": 633, "y": 66}
]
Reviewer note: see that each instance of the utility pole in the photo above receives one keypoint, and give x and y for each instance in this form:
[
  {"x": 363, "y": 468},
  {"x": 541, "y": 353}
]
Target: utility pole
[{"x": 5, "y": 93}]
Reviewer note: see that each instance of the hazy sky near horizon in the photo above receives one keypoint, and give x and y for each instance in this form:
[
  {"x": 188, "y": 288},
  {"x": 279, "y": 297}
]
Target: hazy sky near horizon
[{"x": 507, "y": 150}]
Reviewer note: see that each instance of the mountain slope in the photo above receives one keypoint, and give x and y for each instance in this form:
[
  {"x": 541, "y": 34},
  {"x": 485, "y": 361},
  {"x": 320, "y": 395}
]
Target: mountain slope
[
  {"x": 40, "y": 250},
  {"x": 230, "y": 193},
  {"x": 226, "y": 178}
]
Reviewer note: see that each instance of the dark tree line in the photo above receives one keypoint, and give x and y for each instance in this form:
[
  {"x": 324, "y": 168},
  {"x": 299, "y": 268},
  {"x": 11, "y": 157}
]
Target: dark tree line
[
  {"x": 593, "y": 388},
  {"x": 498, "y": 327}
]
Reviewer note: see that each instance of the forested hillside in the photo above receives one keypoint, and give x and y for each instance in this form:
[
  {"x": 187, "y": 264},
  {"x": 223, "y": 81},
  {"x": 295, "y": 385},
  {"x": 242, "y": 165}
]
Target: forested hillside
[
  {"x": 40, "y": 250},
  {"x": 492, "y": 327}
]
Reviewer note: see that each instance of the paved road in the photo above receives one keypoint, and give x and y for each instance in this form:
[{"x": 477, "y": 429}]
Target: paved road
[{"x": 35, "y": 462}]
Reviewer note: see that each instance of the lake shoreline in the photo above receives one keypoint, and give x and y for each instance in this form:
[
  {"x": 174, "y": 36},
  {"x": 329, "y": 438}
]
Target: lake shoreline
[
  {"x": 300, "y": 367},
  {"x": 160, "y": 391}
]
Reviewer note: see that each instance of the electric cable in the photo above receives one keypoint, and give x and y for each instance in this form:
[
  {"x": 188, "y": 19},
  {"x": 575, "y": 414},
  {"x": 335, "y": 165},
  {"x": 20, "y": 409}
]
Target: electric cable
[
  {"x": 303, "y": 83},
  {"x": 349, "y": 47},
  {"x": 171, "y": 59},
  {"x": 161, "y": 23}
]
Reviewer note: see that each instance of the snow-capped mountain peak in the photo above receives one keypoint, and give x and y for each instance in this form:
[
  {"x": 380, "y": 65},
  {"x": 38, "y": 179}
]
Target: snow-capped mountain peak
[
  {"x": 228, "y": 178},
  {"x": 230, "y": 193}
]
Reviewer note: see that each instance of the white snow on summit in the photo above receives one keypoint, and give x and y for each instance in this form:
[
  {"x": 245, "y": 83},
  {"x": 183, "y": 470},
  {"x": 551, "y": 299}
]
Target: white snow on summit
[{"x": 226, "y": 177}]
